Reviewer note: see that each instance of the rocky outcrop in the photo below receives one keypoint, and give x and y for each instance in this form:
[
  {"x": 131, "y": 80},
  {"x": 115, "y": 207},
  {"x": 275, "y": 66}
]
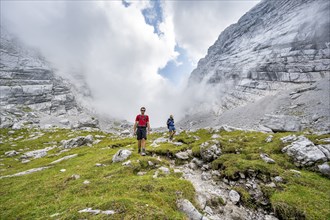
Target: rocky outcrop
[
  {"x": 305, "y": 153},
  {"x": 276, "y": 41},
  {"x": 29, "y": 86},
  {"x": 77, "y": 142},
  {"x": 28, "y": 80}
]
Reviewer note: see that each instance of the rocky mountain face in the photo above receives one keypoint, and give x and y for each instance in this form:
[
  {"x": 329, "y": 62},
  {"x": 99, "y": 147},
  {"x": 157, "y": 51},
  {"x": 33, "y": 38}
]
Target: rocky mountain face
[
  {"x": 276, "y": 49},
  {"x": 28, "y": 80},
  {"x": 32, "y": 94},
  {"x": 29, "y": 86}
]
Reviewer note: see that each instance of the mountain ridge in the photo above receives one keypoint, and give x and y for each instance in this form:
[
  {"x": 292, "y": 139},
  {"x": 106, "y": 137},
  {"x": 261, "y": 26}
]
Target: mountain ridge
[{"x": 277, "y": 46}]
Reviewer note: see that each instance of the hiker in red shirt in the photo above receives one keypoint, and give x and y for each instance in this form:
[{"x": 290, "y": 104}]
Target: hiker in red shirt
[{"x": 140, "y": 129}]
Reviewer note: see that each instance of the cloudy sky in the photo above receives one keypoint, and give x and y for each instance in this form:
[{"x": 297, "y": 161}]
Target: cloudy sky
[{"x": 130, "y": 53}]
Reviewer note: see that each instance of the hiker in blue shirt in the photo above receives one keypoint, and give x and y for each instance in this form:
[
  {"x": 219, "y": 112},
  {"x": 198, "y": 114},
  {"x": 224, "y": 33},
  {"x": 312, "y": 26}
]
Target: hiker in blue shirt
[{"x": 171, "y": 127}]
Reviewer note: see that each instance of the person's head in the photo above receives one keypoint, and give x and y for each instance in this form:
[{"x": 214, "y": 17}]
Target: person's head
[
  {"x": 171, "y": 116},
  {"x": 142, "y": 109}
]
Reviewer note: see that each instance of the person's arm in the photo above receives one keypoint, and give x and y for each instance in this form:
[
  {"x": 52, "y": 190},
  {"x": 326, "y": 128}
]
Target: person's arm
[
  {"x": 134, "y": 127},
  {"x": 148, "y": 125}
]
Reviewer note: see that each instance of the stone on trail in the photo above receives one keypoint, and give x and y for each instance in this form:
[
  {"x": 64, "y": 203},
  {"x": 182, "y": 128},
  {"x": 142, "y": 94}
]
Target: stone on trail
[
  {"x": 188, "y": 208},
  {"x": 121, "y": 155},
  {"x": 234, "y": 196}
]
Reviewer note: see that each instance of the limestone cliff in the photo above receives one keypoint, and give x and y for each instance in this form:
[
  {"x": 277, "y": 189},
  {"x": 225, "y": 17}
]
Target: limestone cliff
[{"x": 277, "y": 46}]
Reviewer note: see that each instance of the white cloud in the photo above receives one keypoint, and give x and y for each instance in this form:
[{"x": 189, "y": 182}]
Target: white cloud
[
  {"x": 115, "y": 51},
  {"x": 197, "y": 24}
]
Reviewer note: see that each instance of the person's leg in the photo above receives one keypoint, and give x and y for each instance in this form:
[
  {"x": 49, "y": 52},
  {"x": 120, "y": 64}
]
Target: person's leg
[
  {"x": 143, "y": 144},
  {"x": 143, "y": 141},
  {"x": 139, "y": 146},
  {"x": 138, "y": 134}
]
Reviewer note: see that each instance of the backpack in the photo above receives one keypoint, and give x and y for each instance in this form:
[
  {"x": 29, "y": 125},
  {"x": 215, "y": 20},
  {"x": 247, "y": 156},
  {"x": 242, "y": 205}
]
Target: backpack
[{"x": 169, "y": 122}]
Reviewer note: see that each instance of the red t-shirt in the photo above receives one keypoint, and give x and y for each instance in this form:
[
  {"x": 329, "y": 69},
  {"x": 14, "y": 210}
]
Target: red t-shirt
[{"x": 142, "y": 120}]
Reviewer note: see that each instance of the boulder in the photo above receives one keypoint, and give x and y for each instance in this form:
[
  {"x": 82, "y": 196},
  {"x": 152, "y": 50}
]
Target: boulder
[
  {"x": 77, "y": 141},
  {"x": 281, "y": 123},
  {"x": 87, "y": 122},
  {"x": 234, "y": 196},
  {"x": 182, "y": 155},
  {"x": 304, "y": 152},
  {"x": 325, "y": 169},
  {"x": 36, "y": 153},
  {"x": 121, "y": 155},
  {"x": 188, "y": 208},
  {"x": 210, "y": 153}
]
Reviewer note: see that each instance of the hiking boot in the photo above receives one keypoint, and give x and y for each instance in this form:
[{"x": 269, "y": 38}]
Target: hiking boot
[{"x": 143, "y": 153}]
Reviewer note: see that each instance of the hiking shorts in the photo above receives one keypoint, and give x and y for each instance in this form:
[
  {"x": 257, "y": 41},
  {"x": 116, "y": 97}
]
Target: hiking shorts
[
  {"x": 171, "y": 128},
  {"x": 141, "y": 133}
]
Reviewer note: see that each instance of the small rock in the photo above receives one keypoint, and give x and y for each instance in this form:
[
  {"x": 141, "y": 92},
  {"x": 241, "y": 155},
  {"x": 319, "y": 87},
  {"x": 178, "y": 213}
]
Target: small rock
[
  {"x": 324, "y": 169},
  {"x": 177, "y": 171},
  {"x": 205, "y": 167},
  {"x": 278, "y": 179},
  {"x": 75, "y": 176},
  {"x": 198, "y": 162},
  {"x": 182, "y": 155},
  {"x": 86, "y": 182},
  {"x": 187, "y": 207},
  {"x": 266, "y": 158},
  {"x": 141, "y": 173},
  {"x": 192, "y": 166},
  {"x": 54, "y": 215},
  {"x": 289, "y": 138},
  {"x": 242, "y": 175},
  {"x": 269, "y": 138},
  {"x": 155, "y": 175},
  {"x": 272, "y": 185},
  {"x": 150, "y": 163},
  {"x": 165, "y": 170},
  {"x": 215, "y": 136},
  {"x": 65, "y": 122},
  {"x": 125, "y": 133},
  {"x": 234, "y": 196},
  {"x": 206, "y": 176},
  {"x": 62, "y": 170},
  {"x": 11, "y": 153},
  {"x": 127, "y": 163}
]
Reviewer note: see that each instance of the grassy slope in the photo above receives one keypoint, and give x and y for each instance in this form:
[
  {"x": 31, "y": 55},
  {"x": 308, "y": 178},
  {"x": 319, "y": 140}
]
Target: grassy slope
[
  {"x": 115, "y": 187},
  {"x": 112, "y": 187}
]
